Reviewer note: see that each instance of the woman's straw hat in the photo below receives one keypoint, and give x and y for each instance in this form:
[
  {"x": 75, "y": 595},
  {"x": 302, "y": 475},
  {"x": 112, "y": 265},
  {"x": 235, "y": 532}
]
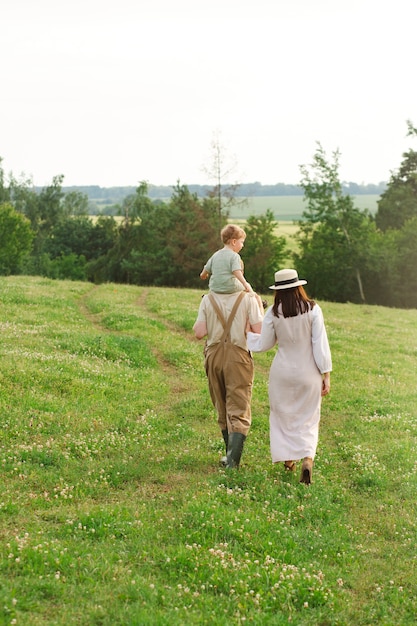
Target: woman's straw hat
[{"x": 285, "y": 279}]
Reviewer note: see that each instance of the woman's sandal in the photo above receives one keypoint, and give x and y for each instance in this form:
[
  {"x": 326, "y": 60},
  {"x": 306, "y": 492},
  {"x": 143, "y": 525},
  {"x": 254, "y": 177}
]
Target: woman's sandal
[{"x": 289, "y": 465}]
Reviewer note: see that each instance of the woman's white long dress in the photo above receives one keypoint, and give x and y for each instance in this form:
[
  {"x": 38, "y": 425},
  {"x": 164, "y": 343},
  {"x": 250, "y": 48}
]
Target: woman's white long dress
[{"x": 295, "y": 380}]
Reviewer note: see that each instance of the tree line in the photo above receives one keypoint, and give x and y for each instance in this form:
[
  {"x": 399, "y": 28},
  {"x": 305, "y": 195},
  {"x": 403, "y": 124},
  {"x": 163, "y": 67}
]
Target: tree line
[
  {"x": 345, "y": 253},
  {"x": 106, "y": 200},
  {"x": 50, "y": 233}
]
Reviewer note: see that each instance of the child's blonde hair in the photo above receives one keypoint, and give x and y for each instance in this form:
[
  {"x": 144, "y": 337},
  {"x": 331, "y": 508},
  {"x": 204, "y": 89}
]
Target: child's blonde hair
[{"x": 231, "y": 231}]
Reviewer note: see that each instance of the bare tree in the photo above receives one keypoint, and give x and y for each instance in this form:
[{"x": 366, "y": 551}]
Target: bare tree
[{"x": 221, "y": 168}]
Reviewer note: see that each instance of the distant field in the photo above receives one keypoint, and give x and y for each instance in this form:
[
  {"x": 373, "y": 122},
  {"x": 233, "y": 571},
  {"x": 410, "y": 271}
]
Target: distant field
[
  {"x": 287, "y": 211},
  {"x": 284, "y": 208},
  {"x": 289, "y": 208}
]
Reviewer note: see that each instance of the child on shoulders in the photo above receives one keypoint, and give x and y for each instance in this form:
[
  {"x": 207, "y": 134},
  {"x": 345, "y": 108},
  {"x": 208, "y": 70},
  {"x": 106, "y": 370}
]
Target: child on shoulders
[{"x": 225, "y": 267}]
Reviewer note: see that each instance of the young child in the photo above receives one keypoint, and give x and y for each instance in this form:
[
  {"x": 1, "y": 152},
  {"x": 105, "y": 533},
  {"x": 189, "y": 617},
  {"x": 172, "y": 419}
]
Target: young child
[{"x": 225, "y": 267}]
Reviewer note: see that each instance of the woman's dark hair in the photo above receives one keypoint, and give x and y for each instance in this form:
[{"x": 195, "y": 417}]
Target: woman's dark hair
[{"x": 293, "y": 301}]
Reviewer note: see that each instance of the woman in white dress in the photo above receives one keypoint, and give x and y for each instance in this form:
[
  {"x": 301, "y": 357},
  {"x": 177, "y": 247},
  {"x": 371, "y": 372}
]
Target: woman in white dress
[{"x": 299, "y": 374}]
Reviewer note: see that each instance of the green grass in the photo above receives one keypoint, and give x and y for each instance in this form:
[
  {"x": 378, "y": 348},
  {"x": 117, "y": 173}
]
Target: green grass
[{"x": 115, "y": 511}]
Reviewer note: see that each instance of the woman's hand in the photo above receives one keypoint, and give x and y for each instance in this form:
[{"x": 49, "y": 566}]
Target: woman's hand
[{"x": 325, "y": 385}]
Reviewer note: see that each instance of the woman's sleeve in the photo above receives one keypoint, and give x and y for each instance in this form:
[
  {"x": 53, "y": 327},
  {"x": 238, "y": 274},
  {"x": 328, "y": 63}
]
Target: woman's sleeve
[
  {"x": 321, "y": 348},
  {"x": 267, "y": 339}
]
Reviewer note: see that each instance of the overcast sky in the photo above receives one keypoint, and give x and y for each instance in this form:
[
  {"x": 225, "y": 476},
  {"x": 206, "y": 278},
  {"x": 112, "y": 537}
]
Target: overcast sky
[{"x": 113, "y": 92}]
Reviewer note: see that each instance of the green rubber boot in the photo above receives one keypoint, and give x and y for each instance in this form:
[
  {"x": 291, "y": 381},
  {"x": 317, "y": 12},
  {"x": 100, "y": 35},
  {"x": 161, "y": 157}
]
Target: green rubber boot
[
  {"x": 234, "y": 449},
  {"x": 223, "y": 460}
]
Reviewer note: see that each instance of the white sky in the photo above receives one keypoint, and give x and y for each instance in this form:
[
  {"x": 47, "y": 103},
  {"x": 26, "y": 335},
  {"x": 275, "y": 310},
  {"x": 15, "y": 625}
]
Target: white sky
[{"x": 111, "y": 92}]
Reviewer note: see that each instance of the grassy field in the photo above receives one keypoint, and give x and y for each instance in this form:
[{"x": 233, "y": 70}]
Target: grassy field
[
  {"x": 289, "y": 208},
  {"x": 114, "y": 510}
]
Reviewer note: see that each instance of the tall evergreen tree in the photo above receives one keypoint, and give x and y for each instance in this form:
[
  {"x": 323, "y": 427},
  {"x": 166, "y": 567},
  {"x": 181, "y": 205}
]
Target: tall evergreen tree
[
  {"x": 193, "y": 238},
  {"x": 264, "y": 252}
]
